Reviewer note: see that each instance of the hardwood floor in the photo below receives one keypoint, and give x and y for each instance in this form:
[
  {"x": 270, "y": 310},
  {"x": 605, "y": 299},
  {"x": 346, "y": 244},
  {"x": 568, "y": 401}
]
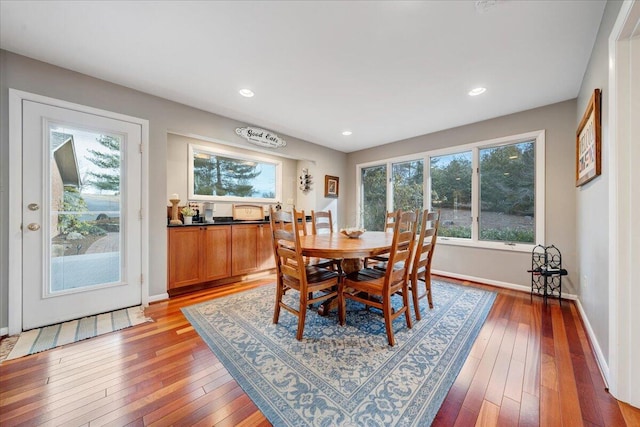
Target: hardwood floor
[{"x": 530, "y": 365}]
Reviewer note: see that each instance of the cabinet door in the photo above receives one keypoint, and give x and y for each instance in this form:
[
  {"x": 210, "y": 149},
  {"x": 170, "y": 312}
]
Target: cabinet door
[
  {"x": 184, "y": 261},
  {"x": 216, "y": 252},
  {"x": 266, "y": 260},
  {"x": 245, "y": 247}
]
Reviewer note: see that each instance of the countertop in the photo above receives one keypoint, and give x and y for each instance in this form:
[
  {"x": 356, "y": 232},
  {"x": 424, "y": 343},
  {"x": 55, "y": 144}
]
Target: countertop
[{"x": 226, "y": 221}]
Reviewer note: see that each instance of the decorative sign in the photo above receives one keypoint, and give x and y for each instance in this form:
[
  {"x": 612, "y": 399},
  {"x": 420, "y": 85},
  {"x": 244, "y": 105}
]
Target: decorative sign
[
  {"x": 588, "y": 156},
  {"x": 261, "y": 137}
]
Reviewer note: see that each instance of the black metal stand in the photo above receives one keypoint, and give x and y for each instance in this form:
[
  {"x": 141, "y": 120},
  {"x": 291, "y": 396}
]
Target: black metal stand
[{"x": 546, "y": 272}]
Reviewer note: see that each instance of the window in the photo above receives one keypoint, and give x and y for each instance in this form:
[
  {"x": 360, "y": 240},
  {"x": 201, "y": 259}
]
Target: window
[
  {"x": 451, "y": 193},
  {"x": 374, "y": 197},
  {"x": 507, "y": 193},
  {"x": 489, "y": 193},
  {"x": 219, "y": 175},
  {"x": 407, "y": 182}
]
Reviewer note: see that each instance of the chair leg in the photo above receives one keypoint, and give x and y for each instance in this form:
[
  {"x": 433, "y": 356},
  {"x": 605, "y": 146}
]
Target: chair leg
[
  {"x": 386, "y": 309},
  {"x": 414, "y": 296},
  {"x": 276, "y": 309},
  {"x": 302, "y": 315},
  {"x": 427, "y": 282},
  {"x": 405, "y": 301},
  {"x": 342, "y": 304}
]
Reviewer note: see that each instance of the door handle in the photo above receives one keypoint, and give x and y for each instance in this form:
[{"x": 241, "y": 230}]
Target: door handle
[{"x": 33, "y": 226}]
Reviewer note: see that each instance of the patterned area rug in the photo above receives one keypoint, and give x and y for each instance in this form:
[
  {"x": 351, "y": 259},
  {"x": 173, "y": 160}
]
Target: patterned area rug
[
  {"x": 41, "y": 339},
  {"x": 346, "y": 376}
]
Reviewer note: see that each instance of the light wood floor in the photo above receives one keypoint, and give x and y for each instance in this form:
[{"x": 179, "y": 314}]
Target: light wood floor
[{"x": 531, "y": 365}]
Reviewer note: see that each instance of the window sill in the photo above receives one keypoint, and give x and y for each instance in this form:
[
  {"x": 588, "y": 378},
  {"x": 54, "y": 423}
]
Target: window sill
[{"x": 500, "y": 246}]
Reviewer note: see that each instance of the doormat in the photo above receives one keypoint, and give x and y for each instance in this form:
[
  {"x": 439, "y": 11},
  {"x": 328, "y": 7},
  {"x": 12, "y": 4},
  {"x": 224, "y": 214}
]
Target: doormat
[{"x": 41, "y": 339}]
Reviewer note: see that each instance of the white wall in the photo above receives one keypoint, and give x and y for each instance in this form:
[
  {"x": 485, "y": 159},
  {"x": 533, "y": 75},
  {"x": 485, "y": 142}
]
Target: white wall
[
  {"x": 164, "y": 116},
  {"x": 504, "y": 267},
  {"x": 592, "y": 213}
]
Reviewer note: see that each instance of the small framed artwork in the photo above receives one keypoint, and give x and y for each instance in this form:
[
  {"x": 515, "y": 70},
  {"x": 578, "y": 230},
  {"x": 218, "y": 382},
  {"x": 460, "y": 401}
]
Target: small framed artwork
[
  {"x": 588, "y": 156},
  {"x": 331, "y": 186}
]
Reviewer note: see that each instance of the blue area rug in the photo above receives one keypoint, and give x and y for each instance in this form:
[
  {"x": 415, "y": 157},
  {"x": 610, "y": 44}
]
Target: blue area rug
[{"x": 343, "y": 376}]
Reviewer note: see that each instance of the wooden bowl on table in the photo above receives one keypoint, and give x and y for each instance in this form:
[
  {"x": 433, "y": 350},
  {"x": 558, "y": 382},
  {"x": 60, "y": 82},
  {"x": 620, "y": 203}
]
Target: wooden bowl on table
[{"x": 352, "y": 232}]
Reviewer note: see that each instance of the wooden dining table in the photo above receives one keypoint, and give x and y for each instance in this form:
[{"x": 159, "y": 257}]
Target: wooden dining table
[
  {"x": 338, "y": 246},
  {"x": 349, "y": 250}
]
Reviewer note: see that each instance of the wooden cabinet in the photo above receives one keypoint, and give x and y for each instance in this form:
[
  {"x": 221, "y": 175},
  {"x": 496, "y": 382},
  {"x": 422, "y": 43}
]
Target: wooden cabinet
[
  {"x": 198, "y": 254},
  {"x": 251, "y": 248}
]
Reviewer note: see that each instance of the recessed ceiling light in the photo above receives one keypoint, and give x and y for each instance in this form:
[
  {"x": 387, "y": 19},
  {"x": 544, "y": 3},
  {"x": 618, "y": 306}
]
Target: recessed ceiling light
[
  {"x": 347, "y": 132},
  {"x": 246, "y": 93},
  {"x": 477, "y": 91}
]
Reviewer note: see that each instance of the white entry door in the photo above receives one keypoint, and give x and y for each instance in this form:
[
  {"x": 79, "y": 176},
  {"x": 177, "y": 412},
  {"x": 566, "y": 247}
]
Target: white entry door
[{"x": 81, "y": 227}]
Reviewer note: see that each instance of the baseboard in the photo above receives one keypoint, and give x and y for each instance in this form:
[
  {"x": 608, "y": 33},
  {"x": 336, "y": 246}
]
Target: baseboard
[
  {"x": 602, "y": 363},
  {"x": 4, "y": 331},
  {"x": 159, "y": 297},
  {"x": 497, "y": 283}
]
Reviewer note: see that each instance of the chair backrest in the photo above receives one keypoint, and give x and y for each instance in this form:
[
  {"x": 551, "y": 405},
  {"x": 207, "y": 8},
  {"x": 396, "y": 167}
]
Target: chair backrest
[
  {"x": 404, "y": 235},
  {"x": 426, "y": 242},
  {"x": 321, "y": 222},
  {"x": 290, "y": 264},
  {"x": 390, "y": 219},
  {"x": 300, "y": 220}
]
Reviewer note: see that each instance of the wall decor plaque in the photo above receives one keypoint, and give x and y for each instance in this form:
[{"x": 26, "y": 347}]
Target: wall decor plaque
[
  {"x": 331, "y": 186},
  {"x": 261, "y": 137},
  {"x": 588, "y": 156}
]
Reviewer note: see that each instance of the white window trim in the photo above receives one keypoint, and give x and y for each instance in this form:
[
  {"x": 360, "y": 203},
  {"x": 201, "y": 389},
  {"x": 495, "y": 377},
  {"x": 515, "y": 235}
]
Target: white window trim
[
  {"x": 540, "y": 172},
  {"x": 235, "y": 155}
]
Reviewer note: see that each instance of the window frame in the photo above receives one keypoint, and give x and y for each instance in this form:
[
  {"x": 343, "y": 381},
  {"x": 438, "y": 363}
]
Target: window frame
[
  {"x": 538, "y": 138},
  {"x": 233, "y": 155}
]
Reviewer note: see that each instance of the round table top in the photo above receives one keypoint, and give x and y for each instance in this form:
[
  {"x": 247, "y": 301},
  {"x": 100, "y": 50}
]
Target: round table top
[{"x": 337, "y": 245}]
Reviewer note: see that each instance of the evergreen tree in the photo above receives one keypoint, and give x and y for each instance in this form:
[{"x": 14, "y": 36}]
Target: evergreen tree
[
  {"x": 221, "y": 176},
  {"x": 108, "y": 160}
]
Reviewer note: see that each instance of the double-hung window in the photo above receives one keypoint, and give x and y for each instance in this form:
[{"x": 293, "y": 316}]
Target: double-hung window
[{"x": 489, "y": 193}]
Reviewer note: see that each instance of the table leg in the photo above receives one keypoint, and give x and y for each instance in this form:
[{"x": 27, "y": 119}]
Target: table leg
[{"x": 348, "y": 265}]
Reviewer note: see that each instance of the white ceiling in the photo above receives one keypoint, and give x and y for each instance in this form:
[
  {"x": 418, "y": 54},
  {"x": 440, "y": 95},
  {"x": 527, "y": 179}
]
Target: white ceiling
[{"x": 384, "y": 70}]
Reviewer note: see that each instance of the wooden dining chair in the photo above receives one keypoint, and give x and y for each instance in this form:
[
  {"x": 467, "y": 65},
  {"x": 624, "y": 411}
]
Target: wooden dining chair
[
  {"x": 321, "y": 222},
  {"x": 423, "y": 254},
  {"x": 382, "y": 259},
  {"x": 312, "y": 283},
  {"x": 374, "y": 287},
  {"x": 300, "y": 221}
]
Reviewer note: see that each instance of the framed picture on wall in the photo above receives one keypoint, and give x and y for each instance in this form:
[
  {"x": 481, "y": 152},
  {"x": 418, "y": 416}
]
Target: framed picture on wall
[
  {"x": 588, "y": 156},
  {"x": 331, "y": 186}
]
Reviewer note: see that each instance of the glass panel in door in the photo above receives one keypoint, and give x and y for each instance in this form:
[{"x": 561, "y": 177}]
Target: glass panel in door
[{"x": 85, "y": 208}]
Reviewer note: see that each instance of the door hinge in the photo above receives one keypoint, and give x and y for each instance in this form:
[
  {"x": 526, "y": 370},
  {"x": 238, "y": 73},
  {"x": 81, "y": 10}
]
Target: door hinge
[
  {"x": 140, "y": 147},
  {"x": 140, "y": 214},
  {"x": 141, "y": 278}
]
